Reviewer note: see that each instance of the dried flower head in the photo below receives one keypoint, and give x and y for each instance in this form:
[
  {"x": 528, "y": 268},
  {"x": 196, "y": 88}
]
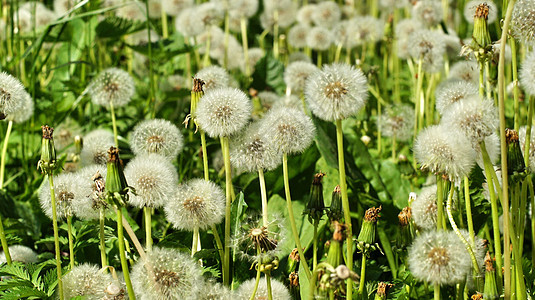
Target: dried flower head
[
  {"x": 490, "y": 9},
  {"x": 297, "y": 73},
  {"x": 452, "y": 91},
  {"x": 397, "y": 121},
  {"x": 67, "y": 187},
  {"x": 21, "y": 254},
  {"x": 523, "y": 21},
  {"x": 251, "y": 151},
  {"x": 278, "y": 290},
  {"x": 466, "y": 70},
  {"x": 156, "y": 136},
  {"x": 86, "y": 280},
  {"x": 12, "y": 94},
  {"x": 88, "y": 207},
  {"x": 96, "y": 145},
  {"x": 424, "y": 208},
  {"x": 213, "y": 77},
  {"x": 429, "y": 12},
  {"x": 429, "y": 46},
  {"x": 253, "y": 235},
  {"x": 112, "y": 85},
  {"x": 326, "y": 14}
]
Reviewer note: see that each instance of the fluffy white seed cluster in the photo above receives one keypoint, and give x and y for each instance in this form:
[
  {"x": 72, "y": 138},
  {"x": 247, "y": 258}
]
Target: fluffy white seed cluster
[
  {"x": 336, "y": 92},
  {"x": 67, "y": 187},
  {"x": 154, "y": 179},
  {"x": 404, "y": 29},
  {"x": 429, "y": 12},
  {"x": 522, "y": 138},
  {"x": 12, "y": 94},
  {"x": 86, "y": 280},
  {"x": 319, "y": 38},
  {"x": 197, "y": 204},
  {"x": 112, "y": 85},
  {"x": 439, "y": 257},
  {"x": 21, "y": 254},
  {"x": 429, "y": 46},
  {"x": 223, "y": 111},
  {"x": 96, "y": 146},
  {"x": 252, "y": 151},
  {"x": 424, "y": 208},
  {"x": 326, "y": 14},
  {"x": 523, "y": 21},
  {"x": 467, "y": 70},
  {"x": 470, "y": 10},
  {"x": 175, "y": 7},
  {"x": 527, "y": 74},
  {"x": 297, "y": 73},
  {"x": 441, "y": 150},
  {"x": 397, "y": 121},
  {"x": 25, "y": 111},
  {"x": 452, "y": 91},
  {"x": 88, "y": 207},
  {"x": 213, "y": 77},
  {"x": 173, "y": 275},
  {"x": 156, "y": 136},
  {"x": 297, "y": 35},
  {"x": 278, "y": 290},
  {"x": 365, "y": 29},
  {"x": 285, "y": 10}
]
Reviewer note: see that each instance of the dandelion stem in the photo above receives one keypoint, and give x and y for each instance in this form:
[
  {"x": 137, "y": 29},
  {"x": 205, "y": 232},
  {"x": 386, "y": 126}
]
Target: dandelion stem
[
  {"x": 527, "y": 139},
  {"x": 56, "y": 234},
  {"x": 103, "y": 258},
  {"x": 124, "y": 263},
  {"x": 258, "y": 273},
  {"x": 440, "y": 202},
  {"x": 243, "y": 26},
  {"x": 418, "y": 120},
  {"x": 228, "y": 193},
  {"x": 165, "y": 30},
  {"x": 195, "y": 242},
  {"x": 4, "y": 151},
  {"x": 516, "y": 90},
  {"x": 362, "y": 274},
  {"x": 114, "y": 124},
  {"x": 291, "y": 215},
  {"x": 315, "y": 245},
  {"x": 71, "y": 245},
  {"x": 469, "y": 211},
  {"x": 345, "y": 204},
  {"x": 263, "y": 196},
  {"x": 147, "y": 212},
  {"x": 218, "y": 242},
  {"x": 276, "y": 34},
  {"x": 268, "y": 286},
  {"x": 437, "y": 291}
]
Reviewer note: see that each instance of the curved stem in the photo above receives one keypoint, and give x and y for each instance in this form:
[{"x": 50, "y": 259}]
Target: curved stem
[
  {"x": 56, "y": 234},
  {"x": 114, "y": 124},
  {"x": 71, "y": 245},
  {"x": 263, "y": 196},
  {"x": 362, "y": 274},
  {"x": 4, "y": 151},
  {"x": 228, "y": 193},
  {"x": 147, "y": 212},
  {"x": 124, "y": 263},
  {"x": 291, "y": 215},
  {"x": 103, "y": 258},
  {"x": 218, "y": 242},
  {"x": 469, "y": 211}
]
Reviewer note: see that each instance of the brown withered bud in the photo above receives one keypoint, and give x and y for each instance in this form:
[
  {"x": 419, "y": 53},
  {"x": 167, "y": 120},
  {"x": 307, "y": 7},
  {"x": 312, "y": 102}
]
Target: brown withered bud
[
  {"x": 511, "y": 136},
  {"x": 295, "y": 255},
  {"x": 482, "y": 11},
  {"x": 477, "y": 296},
  {"x": 489, "y": 263},
  {"x": 339, "y": 231},
  {"x": 47, "y": 132},
  {"x": 197, "y": 85},
  {"x": 372, "y": 214},
  {"x": 405, "y": 216},
  {"x": 294, "y": 279}
]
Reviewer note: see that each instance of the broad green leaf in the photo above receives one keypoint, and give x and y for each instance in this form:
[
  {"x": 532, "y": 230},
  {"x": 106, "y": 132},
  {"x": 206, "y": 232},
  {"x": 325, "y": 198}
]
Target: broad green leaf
[
  {"x": 114, "y": 27},
  {"x": 269, "y": 74}
]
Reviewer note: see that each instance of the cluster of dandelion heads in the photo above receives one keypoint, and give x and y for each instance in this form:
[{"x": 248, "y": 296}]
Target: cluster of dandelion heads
[
  {"x": 171, "y": 275},
  {"x": 67, "y": 187},
  {"x": 429, "y": 46},
  {"x": 278, "y": 289},
  {"x": 366, "y": 29},
  {"x": 522, "y": 138},
  {"x": 88, "y": 207},
  {"x": 424, "y": 208},
  {"x": 254, "y": 235},
  {"x": 470, "y": 10},
  {"x": 319, "y": 38},
  {"x": 429, "y": 12},
  {"x": 523, "y": 21},
  {"x": 297, "y": 73},
  {"x": 403, "y": 31},
  {"x": 397, "y": 121},
  {"x": 223, "y": 111},
  {"x": 477, "y": 118},
  {"x": 444, "y": 151},
  {"x": 452, "y": 91},
  {"x": 21, "y": 254},
  {"x": 197, "y": 204},
  {"x": 112, "y": 85},
  {"x": 336, "y": 92},
  {"x": 156, "y": 136},
  {"x": 527, "y": 74},
  {"x": 12, "y": 94},
  {"x": 25, "y": 112},
  {"x": 326, "y": 14},
  {"x": 213, "y": 77},
  {"x": 466, "y": 70},
  {"x": 289, "y": 130},
  {"x": 154, "y": 179},
  {"x": 439, "y": 257},
  {"x": 86, "y": 280},
  {"x": 252, "y": 151},
  {"x": 96, "y": 146}
]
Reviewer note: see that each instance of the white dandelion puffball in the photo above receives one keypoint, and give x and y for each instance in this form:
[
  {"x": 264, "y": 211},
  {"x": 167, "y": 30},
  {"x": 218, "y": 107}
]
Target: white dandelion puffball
[
  {"x": 452, "y": 91},
  {"x": 470, "y": 10},
  {"x": 429, "y": 12},
  {"x": 251, "y": 151},
  {"x": 12, "y": 94},
  {"x": 439, "y": 257},
  {"x": 527, "y": 74},
  {"x": 156, "y": 136},
  {"x": 305, "y": 14},
  {"x": 297, "y": 73},
  {"x": 175, "y": 7},
  {"x": 397, "y": 121},
  {"x": 244, "y": 8},
  {"x": 278, "y": 290},
  {"x": 67, "y": 187},
  {"x": 112, "y": 85},
  {"x": 21, "y": 254},
  {"x": 446, "y": 151},
  {"x": 213, "y": 77},
  {"x": 154, "y": 179},
  {"x": 223, "y": 111},
  {"x": 186, "y": 23},
  {"x": 319, "y": 38},
  {"x": 173, "y": 275},
  {"x": 492, "y": 144},
  {"x": 88, "y": 207},
  {"x": 297, "y": 35},
  {"x": 366, "y": 29},
  {"x": 96, "y": 146},
  {"x": 522, "y": 139},
  {"x": 465, "y": 70},
  {"x": 336, "y": 92},
  {"x": 477, "y": 118},
  {"x": 523, "y": 21},
  {"x": 429, "y": 46},
  {"x": 25, "y": 112},
  {"x": 424, "y": 208},
  {"x": 404, "y": 29},
  {"x": 326, "y": 14},
  {"x": 86, "y": 280},
  {"x": 197, "y": 204},
  {"x": 290, "y": 130}
]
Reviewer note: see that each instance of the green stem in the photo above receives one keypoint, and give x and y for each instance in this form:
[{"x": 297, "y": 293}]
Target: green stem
[
  {"x": 315, "y": 245},
  {"x": 440, "y": 202},
  {"x": 268, "y": 286},
  {"x": 362, "y": 274},
  {"x": 195, "y": 242},
  {"x": 345, "y": 204},
  {"x": 258, "y": 273},
  {"x": 291, "y": 215},
  {"x": 114, "y": 124},
  {"x": 124, "y": 263},
  {"x": 437, "y": 291},
  {"x": 165, "y": 30},
  {"x": 516, "y": 90},
  {"x": 527, "y": 140},
  {"x": 228, "y": 194},
  {"x": 243, "y": 26},
  {"x": 71, "y": 244},
  {"x": 276, "y": 34},
  {"x": 102, "y": 237},
  {"x": 418, "y": 114},
  {"x": 56, "y": 234},
  {"x": 147, "y": 212},
  {"x": 263, "y": 195},
  {"x": 218, "y": 242},
  {"x": 4, "y": 151},
  {"x": 204, "y": 156},
  {"x": 481, "y": 79},
  {"x": 469, "y": 211}
]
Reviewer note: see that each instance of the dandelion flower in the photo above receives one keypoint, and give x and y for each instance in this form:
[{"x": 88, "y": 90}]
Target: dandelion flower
[
  {"x": 522, "y": 137},
  {"x": 305, "y": 14},
  {"x": 297, "y": 35},
  {"x": 197, "y": 204},
  {"x": 253, "y": 235},
  {"x": 62, "y": 6},
  {"x": 465, "y": 70},
  {"x": 344, "y": 33},
  {"x": 21, "y": 254},
  {"x": 112, "y": 85},
  {"x": 156, "y": 136},
  {"x": 289, "y": 129},
  {"x": 326, "y": 14},
  {"x": 154, "y": 179},
  {"x": 428, "y": 46},
  {"x": 444, "y": 151},
  {"x": 527, "y": 74},
  {"x": 67, "y": 187},
  {"x": 223, "y": 111},
  {"x": 172, "y": 275},
  {"x": 319, "y": 38},
  {"x": 12, "y": 94},
  {"x": 366, "y": 29},
  {"x": 175, "y": 7},
  {"x": 86, "y": 280},
  {"x": 96, "y": 146},
  {"x": 25, "y": 112},
  {"x": 244, "y": 8},
  {"x": 429, "y": 12},
  {"x": 297, "y": 73},
  {"x": 492, "y": 144},
  {"x": 285, "y": 9},
  {"x": 213, "y": 77},
  {"x": 215, "y": 291},
  {"x": 268, "y": 99},
  {"x": 424, "y": 208},
  {"x": 523, "y": 21},
  {"x": 397, "y": 121},
  {"x": 336, "y": 92},
  {"x": 439, "y": 257},
  {"x": 208, "y": 14},
  {"x": 187, "y": 23},
  {"x": 298, "y": 56},
  {"x": 65, "y": 132},
  {"x": 470, "y": 10},
  {"x": 404, "y": 29},
  {"x": 278, "y": 290},
  {"x": 88, "y": 207},
  {"x": 251, "y": 151},
  {"x": 452, "y": 91},
  {"x": 134, "y": 10}
]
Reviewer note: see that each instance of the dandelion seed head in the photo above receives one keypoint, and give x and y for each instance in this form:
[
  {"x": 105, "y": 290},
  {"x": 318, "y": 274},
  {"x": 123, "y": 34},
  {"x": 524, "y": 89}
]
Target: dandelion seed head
[
  {"x": 25, "y": 112},
  {"x": 527, "y": 73},
  {"x": 492, "y": 144},
  {"x": 429, "y": 12},
  {"x": 297, "y": 73},
  {"x": 62, "y": 6},
  {"x": 285, "y": 9},
  {"x": 297, "y": 35},
  {"x": 366, "y": 29},
  {"x": 21, "y": 254},
  {"x": 186, "y": 23},
  {"x": 278, "y": 290},
  {"x": 213, "y": 77},
  {"x": 88, "y": 206},
  {"x": 134, "y": 10},
  {"x": 424, "y": 208},
  {"x": 175, "y": 7},
  {"x": 254, "y": 234},
  {"x": 523, "y": 21},
  {"x": 326, "y": 14},
  {"x": 452, "y": 91},
  {"x": 255, "y": 55},
  {"x": 404, "y": 29},
  {"x": 208, "y": 14},
  {"x": 157, "y": 136},
  {"x": 298, "y": 56},
  {"x": 142, "y": 37},
  {"x": 522, "y": 139},
  {"x": 215, "y": 291},
  {"x": 244, "y": 8},
  {"x": 397, "y": 121},
  {"x": 465, "y": 70},
  {"x": 86, "y": 280},
  {"x": 67, "y": 187},
  {"x": 430, "y": 47},
  {"x": 96, "y": 146},
  {"x": 251, "y": 151},
  {"x": 12, "y": 94},
  {"x": 112, "y": 85},
  {"x": 305, "y": 14},
  {"x": 319, "y": 38},
  {"x": 471, "y": 6}
]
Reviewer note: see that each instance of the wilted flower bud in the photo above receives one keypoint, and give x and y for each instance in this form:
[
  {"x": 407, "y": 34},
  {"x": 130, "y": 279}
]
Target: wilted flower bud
[
  {"x": 490, "y": 291},
  {"x": 335, "y": 212},
  {"x": 366, "y": 236},
  {"x": 515, "y": 160},
  {"x": 316, "y": 206},
  {"x": 116, "y": 185},
  {"x": 381, "y": 291},
  {"x": 481, "y": 35},
  {"x": 293, "y": 260},
  {"x": 335, "y": 255},
  {"x": 48, "y": 152}
]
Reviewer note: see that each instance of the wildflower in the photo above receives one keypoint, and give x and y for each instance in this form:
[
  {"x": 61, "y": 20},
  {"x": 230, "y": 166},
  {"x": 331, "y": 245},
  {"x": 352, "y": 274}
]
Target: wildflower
[
  {"x": 166, "y": 274},
  {"x": 465, "y": 70},
  {"x": 223, "y": 111},
  {"x": 12, "y": 94},
  {"x": 153, "y": 178},
  {"x": 112, "y": 85},
  {"x": 439, "y": 257},
  {"x": 244, "y": 8},
  {"x": 424, "y": 208},
  {"x": 297, "y": 35},
  {"x": 319, "y": 38},
  {"x": 187, "y": 23},
  {"x": 523, "y": 21},
  {"x": 326, "y": 14},
  {"x": 527, "y": 74},
  {"x": 397, "y": 121},
  {"x": 209, "y": 13},
  {"x": 62, "y": 6},
  {"x": 429, "y": 12},
  {"x": 404, "y": 30},
  {"x": 305, "y": 14},
  {"x": 88, "y": 207},
  {"x": 255, "y": 55},
  {"x": 197, "y": 204},
  {"x": 175, "y": 7},
  {"x": 215, "y": 291},
  {"x": 254, "y": 236},
  {"x": 67, "y": 187},
  {"x": 96, "y": 145},
  {"x": 444, "y": 151},
  {"x": 213, "y": 77},
  {"x": 25, "y": 112},
  {"x": 297, "y": 73},
  {"x": 366, "y": 238},
  {"x": 315, "y": 208},
  {"x": 366, "y": 29},
  {"x": 289, "y": 129},
  {"x": 336, "y": 92},
  {"x": 430, "y": 47},
  {"x": 286, "y": 11},
  {"x": 515, "y": 158},
  {"x": 86, "y": 280},
  {"x": 157, "y": 136},
  {"x": 278, "y": 290},
  {"x": 522, "y": 136},
  {"x": 251, "y": 151},
  {"x": 134, "y": 11},
  {"x": 21, "y": 254},
  {"x": 452, "y": 91},
  {"x": 470, "y": 10}
]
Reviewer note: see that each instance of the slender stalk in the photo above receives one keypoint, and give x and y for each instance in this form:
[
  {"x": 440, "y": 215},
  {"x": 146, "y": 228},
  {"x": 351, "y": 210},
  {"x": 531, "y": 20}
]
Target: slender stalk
[
  {"x": 218, "y": 242},
  {"x": 315, "y": 245},
  {"x": 147, "y": 212},
  {"x": 437, "y": 291},
  {"x": 71, "y": 245},
  {"x": 362, "y": 274},
  {"x": 165, "y": 30},
  {"x": 263, "y": 195},
  {"x": 228, "y": 193},
  {"x": 4, "y": 152},
  {"x": 418, "y": 119},
  {"x": 103, "y": 258},
  {"x": 527, "y": 139},
  {"x": 114, "y": 124},
  {"x": 469, "y": 211},
  {"x": 268, "y": 286},
  {"x": 440, "y": 202},
  {"x": 195, "y": 242},
  {"x": 481, "y": 79},
  {"x": 258, "y": 273},
  {"x": 516, "y": 90},
  {"x": 56, "y": 234},
  {"x": 295, "y": 233},
  {"x": 276, "y": 34},
  {"x": 243, "y": 26},
  {"x": 124, "y": 263}
]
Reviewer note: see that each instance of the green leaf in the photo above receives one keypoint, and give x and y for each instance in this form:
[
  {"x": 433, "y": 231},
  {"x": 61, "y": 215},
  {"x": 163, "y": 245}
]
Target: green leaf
[
  {"x": 269, "y": 74},
  {"x": 237, "y": 213},
  {"x": 165, "y": 49},
  {"x": 114, "y": 27},
  {"x": 304, "y": 283}
]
